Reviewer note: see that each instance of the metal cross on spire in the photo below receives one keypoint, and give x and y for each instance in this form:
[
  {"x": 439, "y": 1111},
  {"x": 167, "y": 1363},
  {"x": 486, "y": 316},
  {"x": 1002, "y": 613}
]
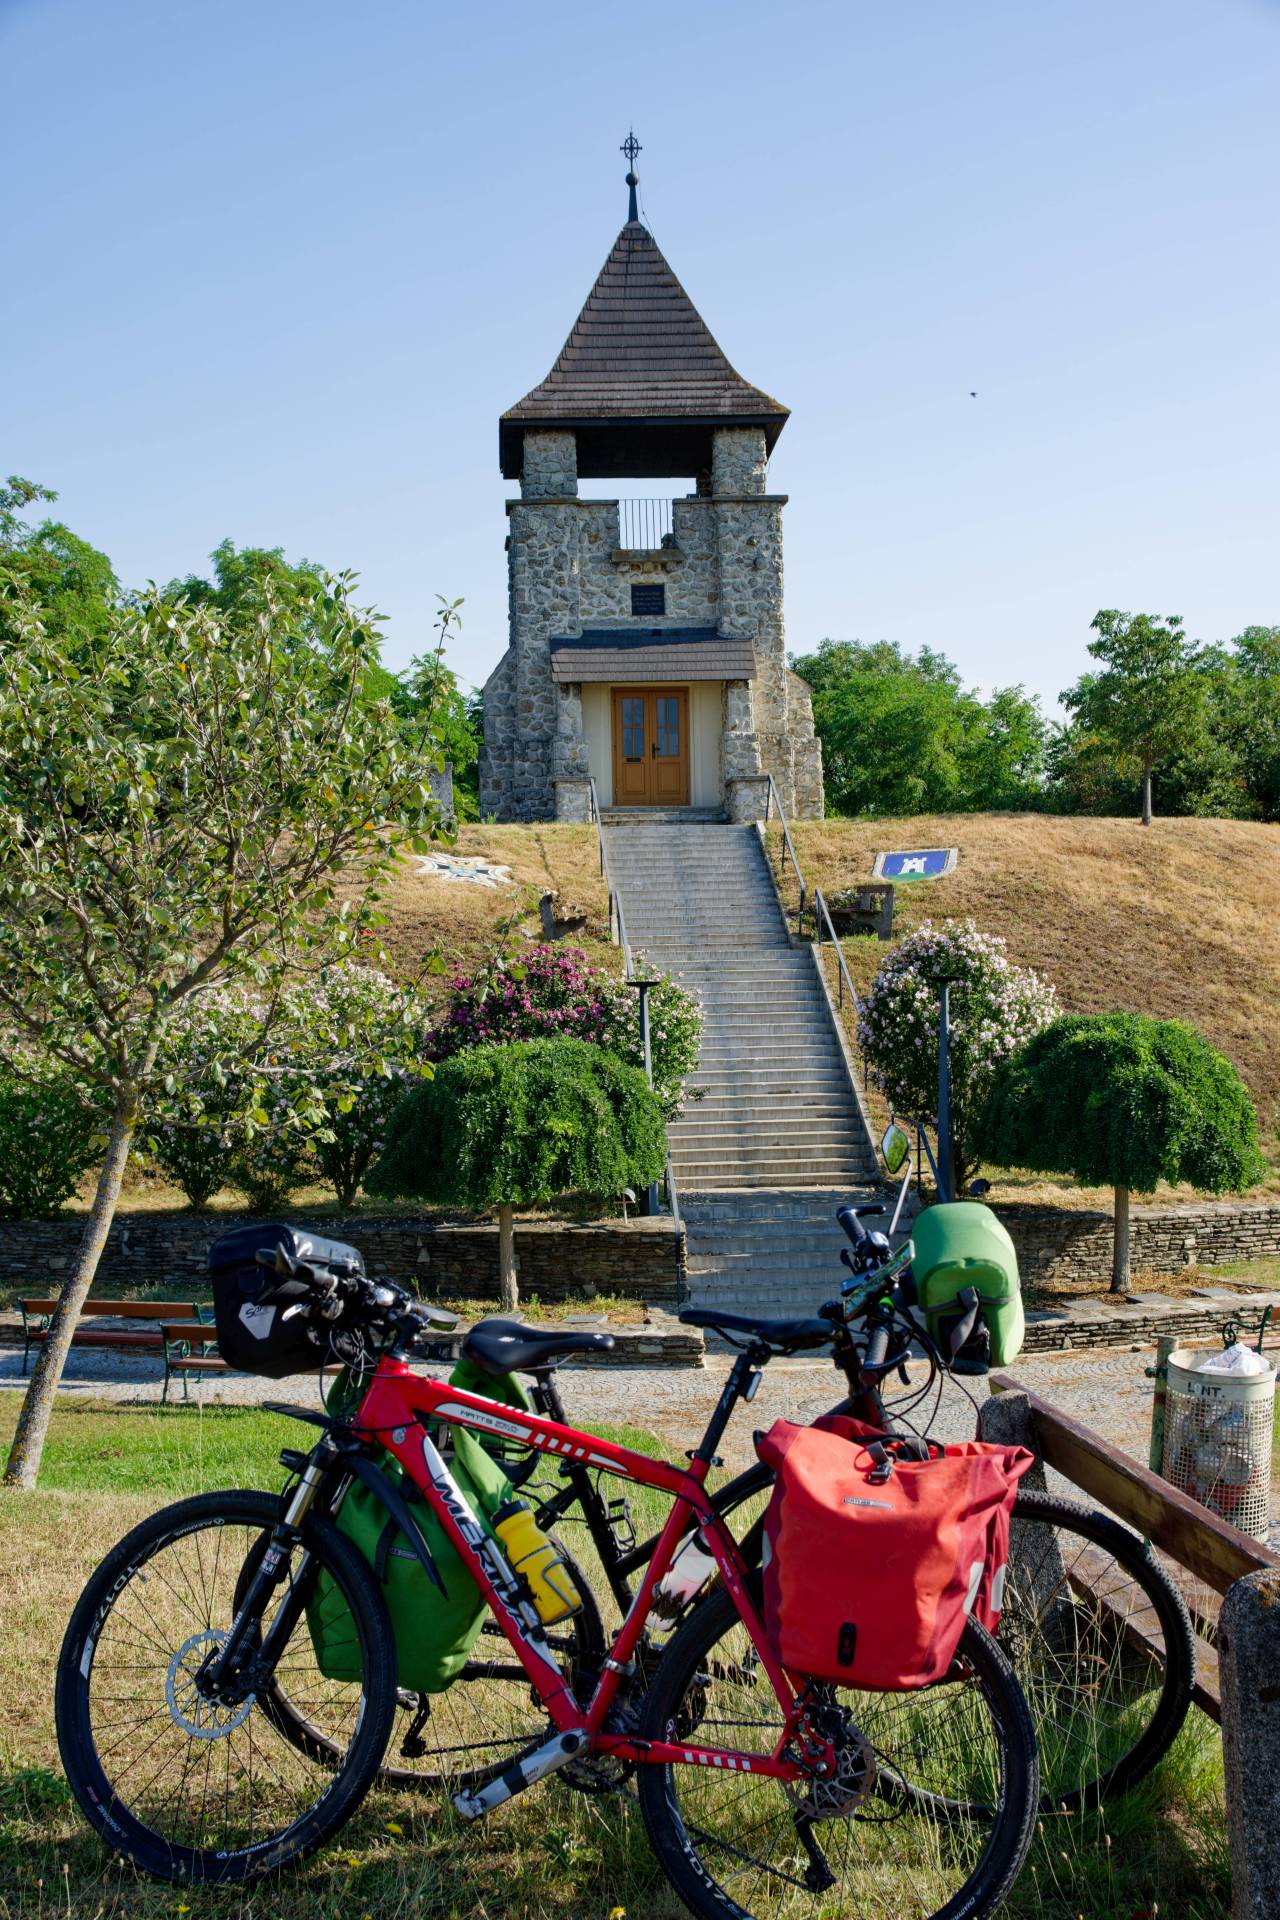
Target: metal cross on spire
[{"x": 631, "y": 147}]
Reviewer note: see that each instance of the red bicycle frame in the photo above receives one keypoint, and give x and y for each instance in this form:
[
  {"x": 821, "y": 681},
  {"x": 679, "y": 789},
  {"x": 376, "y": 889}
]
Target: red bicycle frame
[{"x": 397, "y": 1412}]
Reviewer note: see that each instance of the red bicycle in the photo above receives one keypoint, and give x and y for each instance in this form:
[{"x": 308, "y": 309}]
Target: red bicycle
[{"x": 204, "y": 1741}]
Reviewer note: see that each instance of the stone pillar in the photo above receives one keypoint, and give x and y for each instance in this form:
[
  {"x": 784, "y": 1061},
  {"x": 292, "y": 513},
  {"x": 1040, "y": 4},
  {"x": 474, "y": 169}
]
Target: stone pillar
[
  {"x": 1038, "y": 1603},
  {"x": 550, "y": 467},
  {"x": 739, "y": 461},
  {"x": 745, "y": 785},
  {"x": 1249, "y": 1669},
  {"x": 571, "y": 759},
  {"x": 544, "y": 578}
]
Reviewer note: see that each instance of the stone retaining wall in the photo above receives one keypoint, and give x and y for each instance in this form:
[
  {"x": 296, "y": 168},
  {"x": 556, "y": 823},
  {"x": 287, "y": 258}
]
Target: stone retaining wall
[
  {"x": 1055, "y": 1243},
  {"x": 640, "y": 1259}
]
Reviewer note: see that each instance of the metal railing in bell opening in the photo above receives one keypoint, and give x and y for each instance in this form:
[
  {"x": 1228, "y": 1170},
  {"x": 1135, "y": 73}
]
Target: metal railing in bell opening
[{"x": 645, "y": 526}]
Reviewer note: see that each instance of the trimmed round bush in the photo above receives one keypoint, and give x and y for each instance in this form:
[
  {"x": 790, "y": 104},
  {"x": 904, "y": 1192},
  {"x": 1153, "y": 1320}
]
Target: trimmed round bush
[
  {"x": 520, "y": 1125},
  {"x": 1120, "y": 1100}
]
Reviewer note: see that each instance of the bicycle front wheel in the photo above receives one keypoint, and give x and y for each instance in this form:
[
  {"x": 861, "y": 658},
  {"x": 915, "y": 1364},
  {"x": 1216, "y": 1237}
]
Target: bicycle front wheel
[
  {"x": 928, "y": 1818},
  {"x": 198, "y": 1784}
]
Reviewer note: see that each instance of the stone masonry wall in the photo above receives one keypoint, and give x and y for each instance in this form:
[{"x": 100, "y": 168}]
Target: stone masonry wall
[
  {"x": 565, "y": 572},
  {"x": 1056, "y": 1243},
  {"x": 637, "y": 1258}
]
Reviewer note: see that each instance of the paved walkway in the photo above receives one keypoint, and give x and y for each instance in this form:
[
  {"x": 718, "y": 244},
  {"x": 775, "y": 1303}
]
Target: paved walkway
[{"x": 1108, "y": 1391}]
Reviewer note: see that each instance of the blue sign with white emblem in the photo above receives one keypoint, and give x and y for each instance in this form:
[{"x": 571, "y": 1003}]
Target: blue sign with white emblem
[{"x": 929, "y": 863}]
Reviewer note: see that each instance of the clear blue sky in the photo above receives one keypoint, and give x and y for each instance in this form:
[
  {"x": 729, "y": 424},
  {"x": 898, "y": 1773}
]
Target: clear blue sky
[{"x": 274, "y": 268}]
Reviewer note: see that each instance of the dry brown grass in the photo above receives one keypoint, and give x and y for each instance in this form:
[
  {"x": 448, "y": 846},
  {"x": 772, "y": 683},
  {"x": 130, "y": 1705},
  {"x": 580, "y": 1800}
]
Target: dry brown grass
[
  {"x": 463, "y": 921},
  {"x": 1180, "y": 920}
]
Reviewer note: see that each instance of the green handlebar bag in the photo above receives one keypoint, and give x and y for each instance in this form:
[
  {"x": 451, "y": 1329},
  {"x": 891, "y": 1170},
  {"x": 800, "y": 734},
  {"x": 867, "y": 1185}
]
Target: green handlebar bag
[
  {"x": 962, "y": 1250},
  {"x": 434, "y": 1631}
]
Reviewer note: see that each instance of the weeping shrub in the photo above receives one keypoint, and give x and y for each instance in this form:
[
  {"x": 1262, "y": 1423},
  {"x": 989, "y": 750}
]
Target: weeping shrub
[{"x": 518, "y": 1126}]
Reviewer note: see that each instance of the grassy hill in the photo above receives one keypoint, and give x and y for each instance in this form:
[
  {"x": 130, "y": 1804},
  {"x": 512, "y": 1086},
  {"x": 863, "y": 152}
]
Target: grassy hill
[{"x": 1181, "y": 919}]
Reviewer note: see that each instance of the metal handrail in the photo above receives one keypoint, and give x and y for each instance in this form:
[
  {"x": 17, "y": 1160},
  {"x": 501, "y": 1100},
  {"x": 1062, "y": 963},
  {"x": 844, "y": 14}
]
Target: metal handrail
[
  {"x": 772, "y": 801},
  {"x": 616, "y": 915},
  {"x": 820, "y": 914}
]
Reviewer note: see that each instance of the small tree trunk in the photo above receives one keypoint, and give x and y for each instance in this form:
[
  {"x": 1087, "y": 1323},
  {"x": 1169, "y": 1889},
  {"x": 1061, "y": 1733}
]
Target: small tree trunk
[
  {"x": 1146, "y": 796},
  {"x": 37, "y": 1404},
  {"x": 1120, "y": 1250},
  {"x": 508, "y": 1290}
]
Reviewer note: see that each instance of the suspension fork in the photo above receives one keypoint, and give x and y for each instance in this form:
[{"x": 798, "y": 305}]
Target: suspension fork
[{"x": 221, "y": 1670}]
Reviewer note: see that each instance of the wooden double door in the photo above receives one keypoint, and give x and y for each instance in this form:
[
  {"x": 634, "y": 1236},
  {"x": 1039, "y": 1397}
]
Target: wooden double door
[{"x": 650, "y": 747}]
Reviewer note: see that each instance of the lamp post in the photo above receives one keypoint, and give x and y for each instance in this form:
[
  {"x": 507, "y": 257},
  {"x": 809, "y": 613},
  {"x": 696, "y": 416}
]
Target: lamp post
[
  {"x": 649, "y": 1204},
  {"x": 946, "y": 1151}
]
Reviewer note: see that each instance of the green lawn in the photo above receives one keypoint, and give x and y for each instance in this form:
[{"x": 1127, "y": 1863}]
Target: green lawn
[{"x": 551, "y": 1855}]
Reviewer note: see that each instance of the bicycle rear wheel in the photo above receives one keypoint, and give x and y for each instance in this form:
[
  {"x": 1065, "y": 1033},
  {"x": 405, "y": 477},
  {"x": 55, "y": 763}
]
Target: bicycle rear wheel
[
  {"x": 929, "y": 1818},
  {"x": 487, "y": 1717},
  {"x": 1098, "y": 1633},
  {"x": 199, "y": 1785},
  {"x": 1101, "y": 1642}
]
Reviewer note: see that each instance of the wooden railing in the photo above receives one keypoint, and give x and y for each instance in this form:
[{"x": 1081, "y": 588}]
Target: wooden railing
[{"x": 1231, "y": 1584}]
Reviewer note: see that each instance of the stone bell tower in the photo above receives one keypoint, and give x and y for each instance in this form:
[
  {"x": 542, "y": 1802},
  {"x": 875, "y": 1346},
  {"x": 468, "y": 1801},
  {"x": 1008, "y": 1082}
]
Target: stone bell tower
[{"x": 647, "y": 649}]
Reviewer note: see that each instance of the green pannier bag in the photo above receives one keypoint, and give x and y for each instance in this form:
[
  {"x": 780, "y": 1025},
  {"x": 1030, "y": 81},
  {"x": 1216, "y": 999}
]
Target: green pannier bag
[
  {"x": 434, "y": 1631},
  {"x": 959, "y": 1245}
]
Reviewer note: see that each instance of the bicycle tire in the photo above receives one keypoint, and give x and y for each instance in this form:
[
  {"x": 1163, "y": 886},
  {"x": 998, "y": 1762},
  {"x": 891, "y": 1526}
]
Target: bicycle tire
[
  {"x": 1153, "y": 1609},
  {"x": 1156, "y": 1598},
  {"x": 101, "y": 1614},
  {"x": 684, "y": 1687},
  {"x": 581, "y": 1641}
]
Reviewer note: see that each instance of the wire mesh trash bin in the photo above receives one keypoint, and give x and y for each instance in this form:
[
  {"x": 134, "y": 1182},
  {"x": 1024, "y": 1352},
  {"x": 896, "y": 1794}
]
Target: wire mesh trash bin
[{"x": 1217, "y": 1439}]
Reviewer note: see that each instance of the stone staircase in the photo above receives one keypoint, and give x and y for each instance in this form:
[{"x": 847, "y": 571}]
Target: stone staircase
[{"x": 778, "y": 1139}]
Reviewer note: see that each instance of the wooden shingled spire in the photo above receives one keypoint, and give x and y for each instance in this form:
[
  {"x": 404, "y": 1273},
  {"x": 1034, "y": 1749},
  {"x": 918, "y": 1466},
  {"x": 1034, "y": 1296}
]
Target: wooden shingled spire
[{"x": 641, "y": 379}]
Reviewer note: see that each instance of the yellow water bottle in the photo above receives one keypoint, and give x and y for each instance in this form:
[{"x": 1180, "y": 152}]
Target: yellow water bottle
[{"x": 538, "y": 1559}]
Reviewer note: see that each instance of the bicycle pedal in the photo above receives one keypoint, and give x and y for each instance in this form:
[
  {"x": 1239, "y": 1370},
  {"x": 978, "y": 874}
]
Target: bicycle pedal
[{"x": 551, "y": 1755}]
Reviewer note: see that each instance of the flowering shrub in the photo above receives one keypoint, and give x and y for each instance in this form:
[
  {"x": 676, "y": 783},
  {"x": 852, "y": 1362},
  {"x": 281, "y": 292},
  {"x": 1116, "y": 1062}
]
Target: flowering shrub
[
  {"x": 48, "y": 1139},
  {"x": 267, "y": 1105},
  {"x": 208, "y": 1060},
  {"x": 556, "y": 993},
  {"x": 357, "y": 1036},
  {"x": 995, "y": 1009}
]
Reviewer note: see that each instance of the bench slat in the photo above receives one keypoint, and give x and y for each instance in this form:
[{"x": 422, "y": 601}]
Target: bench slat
[{"x": 123, "y": 1309}]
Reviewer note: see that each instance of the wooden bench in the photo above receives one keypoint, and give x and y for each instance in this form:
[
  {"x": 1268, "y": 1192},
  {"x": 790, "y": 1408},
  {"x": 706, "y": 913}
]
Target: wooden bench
[
  {"x": 187, "y": 1349},
  {"x": 148, "y": 1337}
]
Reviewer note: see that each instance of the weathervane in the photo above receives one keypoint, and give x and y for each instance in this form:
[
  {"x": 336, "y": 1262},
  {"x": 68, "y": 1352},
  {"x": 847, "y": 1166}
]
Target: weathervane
[{"x": 631, "y": 147}]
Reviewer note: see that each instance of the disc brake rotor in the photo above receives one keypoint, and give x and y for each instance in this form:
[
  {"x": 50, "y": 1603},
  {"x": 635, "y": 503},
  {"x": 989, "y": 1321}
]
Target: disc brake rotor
[
  {"x": 200, "y": 1718},
  {"x": 838, "y": 1796}
]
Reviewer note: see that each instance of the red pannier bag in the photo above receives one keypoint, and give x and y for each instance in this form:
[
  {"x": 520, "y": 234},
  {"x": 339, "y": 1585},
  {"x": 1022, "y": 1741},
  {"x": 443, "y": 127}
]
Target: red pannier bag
[{"x": 872, "y": 1561}]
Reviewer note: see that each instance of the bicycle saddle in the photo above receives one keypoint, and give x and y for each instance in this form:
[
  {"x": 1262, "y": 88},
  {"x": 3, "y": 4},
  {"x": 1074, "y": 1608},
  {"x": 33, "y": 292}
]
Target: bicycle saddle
[
  {"x": 775, "y": 1333},
  {"x": 504, "y": 1346}
]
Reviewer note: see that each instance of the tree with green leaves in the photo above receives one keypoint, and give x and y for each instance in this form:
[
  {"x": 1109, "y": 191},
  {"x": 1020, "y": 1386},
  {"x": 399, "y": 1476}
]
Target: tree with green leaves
[
  {"x": 1146, "y": 703},
  {"x": 900, "y": 734},
  {"x": 180, "y": 795},
  {"x": 1123, "y": 1101},
  {"x": 521, "y": 1125}
]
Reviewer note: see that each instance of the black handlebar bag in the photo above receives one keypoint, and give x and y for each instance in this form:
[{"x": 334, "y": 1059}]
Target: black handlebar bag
[{"x": 261, "y": 1315}]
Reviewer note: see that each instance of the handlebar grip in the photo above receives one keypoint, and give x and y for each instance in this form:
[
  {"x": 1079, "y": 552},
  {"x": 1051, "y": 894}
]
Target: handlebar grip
[
  {"x": 853, "y": 1227},
  {"x": 877, "y": 1348}
]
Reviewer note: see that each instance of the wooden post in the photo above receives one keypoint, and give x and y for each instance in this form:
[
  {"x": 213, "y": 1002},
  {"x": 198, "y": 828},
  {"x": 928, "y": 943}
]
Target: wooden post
[
  {"x": 1160, "y": 1374},
  {"x": 1249, "y": 1665}
]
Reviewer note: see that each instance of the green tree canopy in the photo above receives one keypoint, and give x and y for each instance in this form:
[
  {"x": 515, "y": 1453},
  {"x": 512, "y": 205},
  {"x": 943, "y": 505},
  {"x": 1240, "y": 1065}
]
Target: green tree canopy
[
  {"x": 518, "y": 1126},
  {"x": 1145, "y": 705},
  {"x": 167, "y": 831},
  {"x": 901, "y": 735},
  {"x": 1120, "y": 1100}
]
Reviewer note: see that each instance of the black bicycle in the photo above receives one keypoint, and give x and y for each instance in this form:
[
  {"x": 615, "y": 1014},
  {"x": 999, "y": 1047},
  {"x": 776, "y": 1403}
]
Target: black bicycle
[{"x": 1099, "y": 1634}]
